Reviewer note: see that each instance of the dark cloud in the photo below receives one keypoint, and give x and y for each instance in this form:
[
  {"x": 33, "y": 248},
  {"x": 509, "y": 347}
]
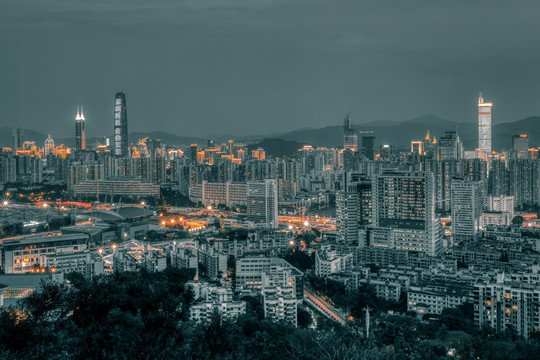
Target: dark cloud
[{"x": 245, "y": 67}]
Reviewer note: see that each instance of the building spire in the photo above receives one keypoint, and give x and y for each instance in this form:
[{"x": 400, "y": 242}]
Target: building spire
[{"x": 480, "y": 99}]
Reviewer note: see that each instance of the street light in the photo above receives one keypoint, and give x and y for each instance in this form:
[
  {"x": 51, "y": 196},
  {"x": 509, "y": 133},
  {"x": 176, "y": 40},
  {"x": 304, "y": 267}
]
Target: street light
[
  {"x": 114, "y": 246},
  {"x": 5, "y": 203},
  {"x": 100, "y": 251},
  {"x": 143, "y": 203},
  {"x": 306, "y": 223}
]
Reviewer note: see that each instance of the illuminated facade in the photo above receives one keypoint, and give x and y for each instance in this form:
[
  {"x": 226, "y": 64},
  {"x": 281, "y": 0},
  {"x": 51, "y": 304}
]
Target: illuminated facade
[
  {"x": 120, "y": 125},
  {"x": 24, "y": 254},
  {"x": 404, "y": 212},
  {"x": 484, "y": 125},
  {"x": 49, "y": 146},
  {"x": 508, "y": 305},
  {"x": 262, "y": 202},
  {"x": 80, "y": 134}
]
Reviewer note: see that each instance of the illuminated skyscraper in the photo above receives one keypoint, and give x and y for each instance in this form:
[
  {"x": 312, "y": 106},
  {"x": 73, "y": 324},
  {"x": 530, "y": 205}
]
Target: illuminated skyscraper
[
  {"x": 484, "y": 125},
  {"x": 120, "y": 125},
  {"x": 350, "y": 137},
  {"x": 49, "y": 146},
  {"x": 80, "y": 135},
  {"x": 403, "y": 212}
]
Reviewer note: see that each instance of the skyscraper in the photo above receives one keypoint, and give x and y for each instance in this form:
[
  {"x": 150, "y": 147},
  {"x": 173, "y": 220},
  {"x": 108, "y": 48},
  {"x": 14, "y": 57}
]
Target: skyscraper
[
  {"x": 120, "y": 125},
  {"x": 368, "y": 146},
  {"x": 262, "y": 204},
  {"x": 404, "y": 210},
  {"x": 520, "y": 145},
  {"x": 350, "y": 137},
  {"x": 484, "y": 125},
  {"x": 467, "y": 207},
  {"x": 18, "y": 140},
  {"x": 450, "y": 146},
  {"x": 80, "y": 135},
  {"x": 49, "y": 146},
  {"x": 353, "y": 206}
]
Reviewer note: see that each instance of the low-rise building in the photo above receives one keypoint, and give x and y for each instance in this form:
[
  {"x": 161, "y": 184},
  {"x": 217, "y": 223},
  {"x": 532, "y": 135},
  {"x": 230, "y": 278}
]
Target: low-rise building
[{"x": 212, "y": 299}]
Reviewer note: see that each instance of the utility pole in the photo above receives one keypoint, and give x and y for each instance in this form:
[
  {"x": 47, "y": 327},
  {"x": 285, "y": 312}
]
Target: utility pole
[{"x": 367, "y": 310}]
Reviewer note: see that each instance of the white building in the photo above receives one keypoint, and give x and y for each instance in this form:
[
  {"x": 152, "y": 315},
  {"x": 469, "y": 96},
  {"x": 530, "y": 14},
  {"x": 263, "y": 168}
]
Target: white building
[
  {"x": 467, "y": 207},
  {"x": 280, "y": 304},
  {"x": 251, "y": 270},
  {"x": 501, "y": 203},
  {"x": 329, "y": 262},
  {"x": 428, "y": 300},
  {"x": 215, "y": 299},
  {"x": 495, "y": 218}
]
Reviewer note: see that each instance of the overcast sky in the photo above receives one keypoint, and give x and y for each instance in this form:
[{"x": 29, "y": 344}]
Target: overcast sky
[{"x": 202, "y": 67}]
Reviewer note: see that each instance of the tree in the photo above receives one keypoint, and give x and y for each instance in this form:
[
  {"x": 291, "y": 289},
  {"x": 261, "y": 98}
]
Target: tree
[{"x": 304, "y": 317}]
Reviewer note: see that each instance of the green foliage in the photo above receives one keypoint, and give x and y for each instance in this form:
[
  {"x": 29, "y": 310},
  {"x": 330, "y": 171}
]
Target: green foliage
[
  {"x": 144, "y": 316},
  {"x": 300, "y": 259},
  {"x": 304, "y": 317}
]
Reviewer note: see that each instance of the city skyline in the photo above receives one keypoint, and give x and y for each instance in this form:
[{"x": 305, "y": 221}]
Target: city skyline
[
  {"x": 343, "y": 60},
  {"x": 297, "y": 179}
]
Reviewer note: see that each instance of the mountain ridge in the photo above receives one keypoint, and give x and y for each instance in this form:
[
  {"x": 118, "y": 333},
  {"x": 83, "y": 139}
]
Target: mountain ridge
[{"x": 398, "y": 133}]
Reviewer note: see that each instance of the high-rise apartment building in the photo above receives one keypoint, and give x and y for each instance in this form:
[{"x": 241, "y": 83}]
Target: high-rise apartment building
[
  {"x": 18, "y": 138},
  {"x": 262, "y": 202},
  {"x": 404, "y": 210},
  {"x": 450, "y": 146},
  {"x": 467, "y": 207},
  {"x": 353, "y": 206},
  {"x": 508, "y": 305},
  {"x": 523, "y": 182},
  {"x": 350, "y": 137},
  {"x": 120, "y": 125},
  {"x": 484, "y": 125},
  {"x": 520, "y": 145},
  {"x": 80, "y": 134}
]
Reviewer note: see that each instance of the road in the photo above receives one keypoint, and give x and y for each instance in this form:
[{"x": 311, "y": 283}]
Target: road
[{"x": 323, "y": 306}]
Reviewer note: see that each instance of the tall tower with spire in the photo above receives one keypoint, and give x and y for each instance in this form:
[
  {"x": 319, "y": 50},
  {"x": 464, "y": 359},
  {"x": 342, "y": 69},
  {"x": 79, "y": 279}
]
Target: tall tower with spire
[
  {"x": 350, "y": 137},
  {"x": 484, "y": 124},
  {"x": 80, "y": 134}
]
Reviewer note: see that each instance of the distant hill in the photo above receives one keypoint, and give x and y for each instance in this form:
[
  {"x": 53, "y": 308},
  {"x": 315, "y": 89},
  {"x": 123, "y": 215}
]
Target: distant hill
[
  {"x": 398, "y": 133},
  {"x": 401, "y": 133},
  {"x": 6, "y": 138},
  {"x": 277, "y": 147}
]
